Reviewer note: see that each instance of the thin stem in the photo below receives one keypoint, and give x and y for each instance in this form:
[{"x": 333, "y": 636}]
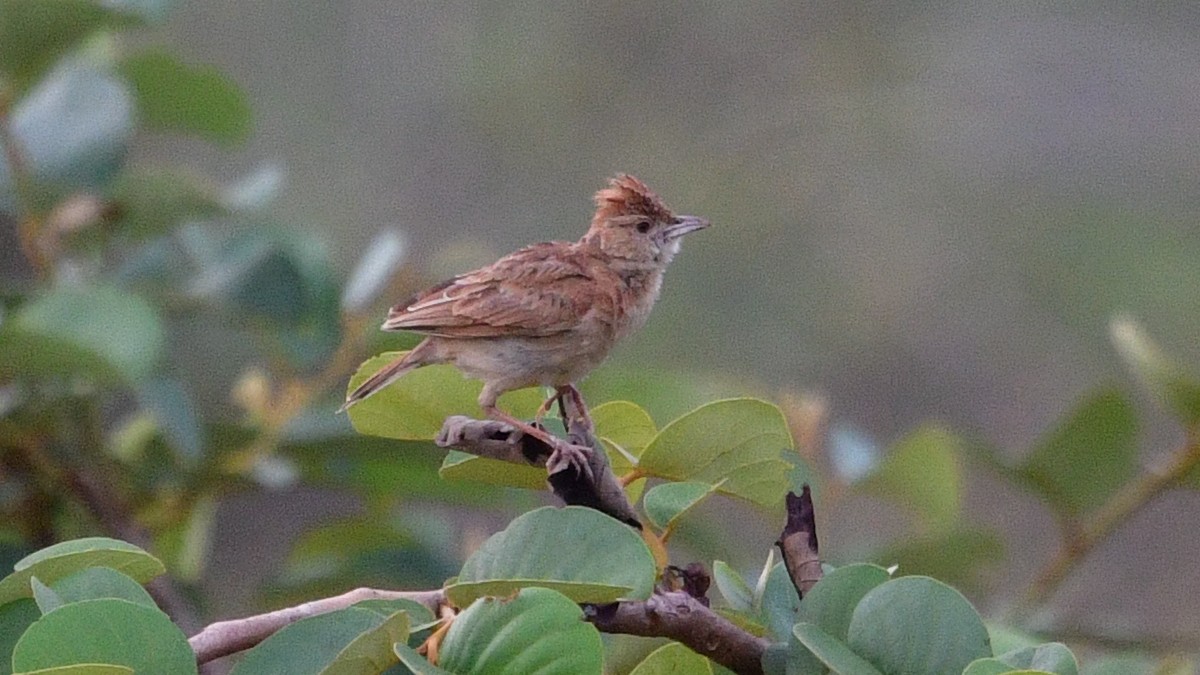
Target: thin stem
[
  {"x": 1123, "y": 505},
  {"x": 29, "y": 227}
]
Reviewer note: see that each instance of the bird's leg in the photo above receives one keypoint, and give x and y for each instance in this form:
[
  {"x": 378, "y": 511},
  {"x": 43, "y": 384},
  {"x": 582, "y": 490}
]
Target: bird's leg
[
  {"x": 561, "y": 451},
  {"x": 580, "y": 407},
  {"x": 545, "y": 407}
]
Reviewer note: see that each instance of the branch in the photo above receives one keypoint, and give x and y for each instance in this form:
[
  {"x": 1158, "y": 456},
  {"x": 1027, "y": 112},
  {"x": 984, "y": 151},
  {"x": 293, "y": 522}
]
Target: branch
[
  {"x": 1117, "y": 511},
  {"x": 798, "y": 542},
  {"x": 229, "y": 637},
  {"x": 601, "y": 490},
  {"x": 680, "y": 617}
]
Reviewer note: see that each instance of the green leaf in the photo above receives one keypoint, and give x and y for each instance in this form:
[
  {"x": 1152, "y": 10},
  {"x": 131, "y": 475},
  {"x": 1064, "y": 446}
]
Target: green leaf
[
  {"x": 103, "y": 332},
  {"x": 45, "y": 597},
  {"x": 922, "y": 473},
  {"x": 1006, "y": 638},
  {"x": 584, "y": 554},
  {"x": 1082, "y": 462},
  {"x": 152, "y": 202},
  {"x": 1052, "y": 657},
  {"x": 173, "y": 409},
  {"x": 351, "y": 641},
  {"x": 917, "y": 625},
  {"x": 35, "y": 33},
  {"x": 107, "y": 631},
  {"x": 673, "y": 659},
  {"x": 418, "y": 614},
  {"x": 791, "y": 658},
  {"x": 414, "y": 407},
  {"x": 73, "y": 127},
  {"x": 1175, "y": 386},
  {"x": 834, "y": 653},
  {"x": 15, "y": 618},
  {"x": 538, "y": 631},
  {"x": 668, "y": 502},
  {"x": 737, "y": 441},
  {"x": 994, "y": 666},
  {"x": 62, "y": 560},
  {"x": 84, "y": 669},
  {"x": 371, "y": 652},
  {"x": 174, "y": 96},
  {"x": 95, "y": 583},
  {"x": 624, "y": 427},
  {"x": 959, "y": 557},
  {"x": 830, "y": 604},
  {"x": 780, "y": 603},
  {"x": 733, "y": 587},
  {"x": 466, "y": 467}
]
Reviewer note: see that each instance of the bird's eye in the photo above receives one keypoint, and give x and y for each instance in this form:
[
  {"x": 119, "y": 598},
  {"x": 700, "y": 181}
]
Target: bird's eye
[{"x": 643, "y": 226}]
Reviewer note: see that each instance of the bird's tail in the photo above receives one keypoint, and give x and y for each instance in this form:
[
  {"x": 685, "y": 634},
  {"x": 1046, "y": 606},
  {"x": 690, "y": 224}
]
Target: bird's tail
[{"x": 385, "y": 376}]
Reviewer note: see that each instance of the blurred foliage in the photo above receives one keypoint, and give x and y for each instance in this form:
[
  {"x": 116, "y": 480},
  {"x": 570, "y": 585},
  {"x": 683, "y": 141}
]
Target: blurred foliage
[{"x": 102, "y": 432}]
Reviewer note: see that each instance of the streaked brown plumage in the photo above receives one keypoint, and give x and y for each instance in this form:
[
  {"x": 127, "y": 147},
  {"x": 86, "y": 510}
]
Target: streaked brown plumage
[{"x": 549, "y": 313}]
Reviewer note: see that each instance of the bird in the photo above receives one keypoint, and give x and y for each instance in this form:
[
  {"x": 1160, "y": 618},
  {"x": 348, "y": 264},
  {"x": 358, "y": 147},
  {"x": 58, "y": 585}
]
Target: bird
[{"x": 549, "y": 313}]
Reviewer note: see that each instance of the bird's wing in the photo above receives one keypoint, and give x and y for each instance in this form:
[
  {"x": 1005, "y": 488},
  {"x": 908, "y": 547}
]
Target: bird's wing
[{"x": 541, "y": 290}]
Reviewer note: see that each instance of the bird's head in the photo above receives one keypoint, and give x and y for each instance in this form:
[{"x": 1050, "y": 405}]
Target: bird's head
[{"x": 631, "y": 223}]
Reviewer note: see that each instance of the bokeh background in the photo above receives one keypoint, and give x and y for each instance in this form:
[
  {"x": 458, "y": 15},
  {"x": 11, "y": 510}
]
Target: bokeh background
[{"x": 922, "y": 211}]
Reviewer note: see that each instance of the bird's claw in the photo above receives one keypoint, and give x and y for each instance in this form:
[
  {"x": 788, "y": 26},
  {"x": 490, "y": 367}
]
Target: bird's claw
[{"x": 576, "y": 457}]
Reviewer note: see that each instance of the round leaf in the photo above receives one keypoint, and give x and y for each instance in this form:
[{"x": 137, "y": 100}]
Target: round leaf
[
  {"x": 95, "y": 583},
  {"x": 84, "y": 669},
  {"x": 673, "y": 659},
  {"x": 351, "y": 641},
  {"x": 733, "y": 587},
  {"x": 1052, "y": 657},
  {"x": 780, "y": 603},
  {"x": 107, "y": 631},
  {"x": 831, "y": 603},
  {"x": 667, "y": 502},
  {"x": 624, "y": 428},
  {"x": 737, "y": 441},
  {"x": 414, "y": 407},
  {"x": 15, "y": 618},
  {"x": 624, "y": 423},
  {"x": 834, "y": 653},
  {"x": 114, "y": 334},
  {"x": 583, "y": 553},
  {"x": 61, "y": 560},
  {"x": 466, "y": 467},
  {"x": 917, "y": 625},
  {"x": 538, "y": 631}
]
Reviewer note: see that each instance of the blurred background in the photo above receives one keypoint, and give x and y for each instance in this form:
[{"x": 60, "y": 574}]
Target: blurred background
[{"x": 923, "y": 211}]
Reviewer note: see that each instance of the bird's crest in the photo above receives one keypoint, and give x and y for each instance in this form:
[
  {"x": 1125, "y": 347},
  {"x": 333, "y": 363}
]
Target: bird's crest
[{"x": 628, "y": 196}]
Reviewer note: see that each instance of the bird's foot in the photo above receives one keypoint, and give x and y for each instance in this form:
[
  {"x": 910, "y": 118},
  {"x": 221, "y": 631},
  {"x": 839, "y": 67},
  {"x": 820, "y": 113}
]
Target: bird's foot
[{"x": 574, "y": 457}]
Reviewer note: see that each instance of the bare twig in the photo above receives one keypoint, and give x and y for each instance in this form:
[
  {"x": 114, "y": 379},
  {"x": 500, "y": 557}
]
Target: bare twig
[
  {"x": 229, "y": 637},
  {"x": 682, "y": 618},
  {"x": 798, "y": 542},
  {"x": 1109, "y": 517}
]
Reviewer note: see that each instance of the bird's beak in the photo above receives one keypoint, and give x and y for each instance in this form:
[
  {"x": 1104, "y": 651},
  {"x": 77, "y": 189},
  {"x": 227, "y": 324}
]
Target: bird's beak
[{"x": 683, "y": 225}]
